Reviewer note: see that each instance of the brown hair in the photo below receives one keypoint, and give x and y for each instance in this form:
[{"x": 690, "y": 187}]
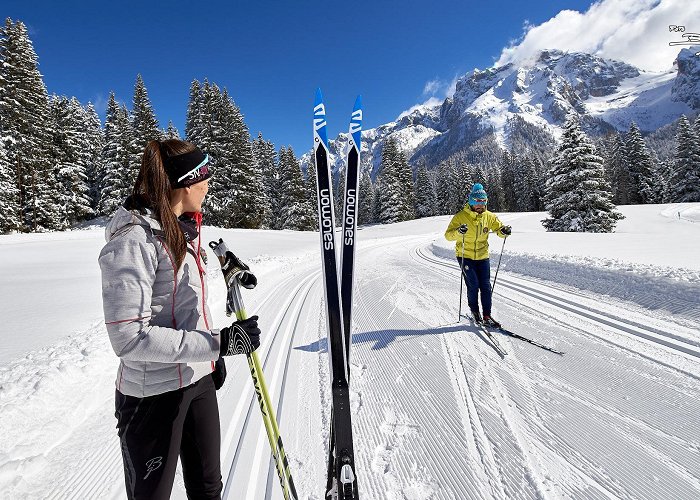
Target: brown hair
[{"x": 152, "y": 188}]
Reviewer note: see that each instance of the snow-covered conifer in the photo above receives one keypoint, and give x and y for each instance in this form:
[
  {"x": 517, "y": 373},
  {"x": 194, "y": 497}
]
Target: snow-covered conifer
[
  {"x": 265, "y": 159},
  {"x": 26, "y": 132},
  {"x": 618, "y": 173},
  {"x": 424, "y": 193},
  {"x": 171, "y": 132},
  {"x": 365, "y": 198},
  {"x": 684, "y": 184},
  {"x": 641, "y": 167},
  {"x": 294, "y": 200},
  {"x": 119, "y": 171},
  {"x": 70, "y": 163},
  {"x": 193, "y": 123},
  {"x": 578, "y": 197},
  {"x": 143, "y": 118}
]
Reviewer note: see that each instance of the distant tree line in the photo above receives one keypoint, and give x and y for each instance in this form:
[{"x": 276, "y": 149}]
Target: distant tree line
[{"x": 60, "y": 166}]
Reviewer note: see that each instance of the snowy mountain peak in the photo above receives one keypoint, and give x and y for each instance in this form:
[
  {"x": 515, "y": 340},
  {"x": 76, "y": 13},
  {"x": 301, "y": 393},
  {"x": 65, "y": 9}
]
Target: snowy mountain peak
[{"x": 538, "y": 94}]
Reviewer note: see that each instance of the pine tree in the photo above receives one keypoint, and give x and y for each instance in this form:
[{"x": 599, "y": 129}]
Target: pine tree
[
  {"x": 493, "y": 185},
  {"x": 619, "y": 175},
  {"x": 9, "y": 201},
  {"x": 365, "y": 198},
  {"x": 295, "y": 203},
  {"x": 424, "y": 193},
  {"x": 194, "y": 127},
  {"x": 507, "y": 184},
  {"x": 404, "y": 177},
  {"x": 264, "y": 156},
  {"x": 684, "y": 184},
  {"x": 578, "y": 198},
  {"x": 119, "y": 172},
  {"x": 311, "y": 191},
  {"x": 211, "y": 136},
  {"x": 144, "y": 122},
  {"x": 24, "y": 109},
  {"x": 389, "y": 198},
  {"x": 247, "y": 204},
  {"x": 171, "y": 132},
  {"x": 641, "y": 166},
  {"x": 91, "y": 131},
  {"x": 70, "y": 163},
  {"x": 525, "y": 184}
]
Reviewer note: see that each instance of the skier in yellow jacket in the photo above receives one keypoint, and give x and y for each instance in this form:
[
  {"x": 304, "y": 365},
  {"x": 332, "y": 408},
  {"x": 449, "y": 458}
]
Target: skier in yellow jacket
[{"x": 470, "y": 228}]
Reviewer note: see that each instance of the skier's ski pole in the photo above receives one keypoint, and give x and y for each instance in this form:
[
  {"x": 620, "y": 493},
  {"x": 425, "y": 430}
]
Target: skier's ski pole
[
  {"x": 461, "y": 280},
  {"x": 235, "y": 304},
  {"x": 499, "y": 264}
]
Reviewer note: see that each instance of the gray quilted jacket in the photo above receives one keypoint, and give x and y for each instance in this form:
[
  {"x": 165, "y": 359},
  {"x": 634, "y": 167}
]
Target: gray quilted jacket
[{"x": 158, "y": 323}]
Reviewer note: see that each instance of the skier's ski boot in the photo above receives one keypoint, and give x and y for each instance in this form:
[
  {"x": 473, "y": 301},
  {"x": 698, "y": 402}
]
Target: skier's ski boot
[
  {"x": 477, "y": 317},
  {"x": 489, "y": 321}
]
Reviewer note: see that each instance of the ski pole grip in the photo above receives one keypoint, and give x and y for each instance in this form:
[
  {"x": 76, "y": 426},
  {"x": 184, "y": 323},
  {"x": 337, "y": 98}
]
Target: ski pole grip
[{"x": 220, "y": 249}]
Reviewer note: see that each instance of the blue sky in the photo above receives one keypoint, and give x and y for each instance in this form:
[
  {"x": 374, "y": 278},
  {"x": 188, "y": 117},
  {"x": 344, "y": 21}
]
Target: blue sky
[{"x": 271, "y": 55}]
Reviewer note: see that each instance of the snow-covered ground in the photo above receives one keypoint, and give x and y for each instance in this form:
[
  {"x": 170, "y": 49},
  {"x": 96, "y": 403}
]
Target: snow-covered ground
[{"x": 438, "y": 414}]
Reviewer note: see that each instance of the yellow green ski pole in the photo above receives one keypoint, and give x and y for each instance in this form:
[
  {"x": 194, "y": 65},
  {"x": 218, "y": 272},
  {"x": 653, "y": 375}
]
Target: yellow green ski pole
[{"x": 234, "y": 304}]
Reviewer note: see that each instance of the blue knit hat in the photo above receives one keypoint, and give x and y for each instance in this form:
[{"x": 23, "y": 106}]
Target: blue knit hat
[{"x": 478, "y": 193}]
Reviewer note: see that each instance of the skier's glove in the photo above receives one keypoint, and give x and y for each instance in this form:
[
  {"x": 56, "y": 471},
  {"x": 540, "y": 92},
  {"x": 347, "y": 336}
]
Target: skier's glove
[
  {"x": 219, "y": 373},
  {"x": 242, "y": 337},
  {"x": 506, "y": 230},
  {"x": 462, "y": 229},
  {"x": 233, "y": 269}
]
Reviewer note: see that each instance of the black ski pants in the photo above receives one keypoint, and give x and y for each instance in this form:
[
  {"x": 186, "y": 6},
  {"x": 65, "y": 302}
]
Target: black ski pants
[{"x": 154, "y": 431}]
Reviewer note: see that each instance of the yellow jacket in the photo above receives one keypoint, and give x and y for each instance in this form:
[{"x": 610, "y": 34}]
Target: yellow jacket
[{"x": 476, "y": 241}]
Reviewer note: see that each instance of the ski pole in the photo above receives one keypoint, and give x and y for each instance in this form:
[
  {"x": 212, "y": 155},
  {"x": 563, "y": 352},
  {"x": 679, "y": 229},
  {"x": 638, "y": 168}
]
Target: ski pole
[
  {"x": 499, "y": 264},
  {"x": 461, "y": 280},
  {"x": 234, "y": 302}
]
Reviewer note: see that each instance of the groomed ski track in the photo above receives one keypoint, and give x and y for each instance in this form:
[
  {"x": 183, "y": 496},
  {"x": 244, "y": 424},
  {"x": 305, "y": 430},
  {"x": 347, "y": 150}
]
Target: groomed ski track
[{"x": 437, "y": 413}]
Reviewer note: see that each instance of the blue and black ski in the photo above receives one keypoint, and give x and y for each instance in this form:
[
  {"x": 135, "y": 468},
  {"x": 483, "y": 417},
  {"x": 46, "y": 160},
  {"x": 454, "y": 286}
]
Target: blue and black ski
[
  {"x": 342, "y": 483},
  {"x": 347, "y": 253}
]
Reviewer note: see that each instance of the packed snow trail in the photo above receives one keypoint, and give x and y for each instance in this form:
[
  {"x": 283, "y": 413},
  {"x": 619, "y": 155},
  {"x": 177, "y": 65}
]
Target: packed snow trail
[{"x": 437, "y": 414}]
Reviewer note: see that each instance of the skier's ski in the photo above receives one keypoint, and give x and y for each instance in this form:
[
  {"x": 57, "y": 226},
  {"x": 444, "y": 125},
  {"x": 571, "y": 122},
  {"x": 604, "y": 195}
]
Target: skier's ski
[
  {"x": 495, "y": 343},
  {"x": 347, "y": 252},
  {"x": 529, "y": 341},
  {"x": 342, "y": 479}
]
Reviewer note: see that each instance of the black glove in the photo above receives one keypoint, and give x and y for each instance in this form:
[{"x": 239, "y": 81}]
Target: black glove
[
  {"x": 233, "y": 269},
  {"x": 506, "y": 230},
  {"x": 242, "y": 337},
  {"x": 462, "y": 229},
  {"x": 219, "y": 373}
]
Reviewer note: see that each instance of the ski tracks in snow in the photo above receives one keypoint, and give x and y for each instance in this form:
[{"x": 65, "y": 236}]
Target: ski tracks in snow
[{"x": 610, "y": 419}]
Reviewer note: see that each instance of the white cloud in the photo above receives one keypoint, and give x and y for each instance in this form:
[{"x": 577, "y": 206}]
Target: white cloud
[
  {"x": 433, "y": 101},
  {"x": 432, "y": 87},
  {"x": 634, "y": 31}
]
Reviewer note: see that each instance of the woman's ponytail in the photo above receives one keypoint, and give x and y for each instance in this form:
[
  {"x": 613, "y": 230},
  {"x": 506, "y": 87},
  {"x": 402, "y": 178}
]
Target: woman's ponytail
[{"x": 152, "y": 189}]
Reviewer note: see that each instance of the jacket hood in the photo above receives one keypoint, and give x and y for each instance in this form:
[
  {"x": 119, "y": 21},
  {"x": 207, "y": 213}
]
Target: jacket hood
[{"x": 127, "y": 217}]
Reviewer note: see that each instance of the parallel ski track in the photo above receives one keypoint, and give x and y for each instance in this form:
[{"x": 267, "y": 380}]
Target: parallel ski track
[
  {"x": 659, "y": 337},
  {"x": 88, "y": 477},
  {"x": 398, "y": 453},
  {"x": 289, "y": 313},
  {"x": 666, "y": 448}
]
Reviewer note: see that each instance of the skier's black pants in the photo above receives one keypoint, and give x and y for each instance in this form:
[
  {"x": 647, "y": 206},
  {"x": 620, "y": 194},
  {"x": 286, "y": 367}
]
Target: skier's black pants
[
  {"x": 477, "y": 276},
  {"x": 154, "y": 431}
]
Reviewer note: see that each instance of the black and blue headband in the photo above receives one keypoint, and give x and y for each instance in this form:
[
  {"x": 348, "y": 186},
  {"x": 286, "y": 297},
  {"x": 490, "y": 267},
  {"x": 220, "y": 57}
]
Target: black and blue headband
[{"x": 186, "y": 169}]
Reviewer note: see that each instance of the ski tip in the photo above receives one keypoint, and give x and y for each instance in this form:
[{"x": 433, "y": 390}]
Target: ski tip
[{"x": 358, "y": 102}]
